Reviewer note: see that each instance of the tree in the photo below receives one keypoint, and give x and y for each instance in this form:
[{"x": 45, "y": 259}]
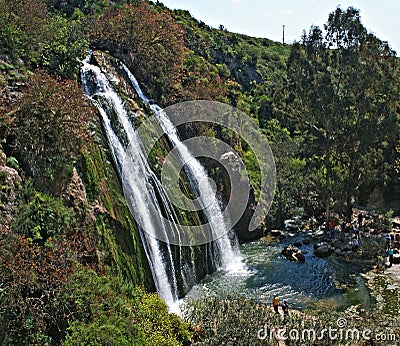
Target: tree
[
  {"x": 47, "y": 129},
  {"x": 23, "y": 28},
  {"x": 341, "y": 96},
  {"x": 149, "y": 42}
]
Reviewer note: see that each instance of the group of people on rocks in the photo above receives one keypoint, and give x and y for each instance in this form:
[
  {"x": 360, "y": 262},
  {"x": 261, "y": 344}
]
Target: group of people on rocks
[{"x": 355, "y": 229}]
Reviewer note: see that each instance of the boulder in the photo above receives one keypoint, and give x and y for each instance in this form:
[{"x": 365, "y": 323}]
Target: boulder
[
  {"x": 396, "y": 258},
  {"x": 293, "y": 254},
  {"x": 322, "y": 250},
  {"x": 339, "y": 252},
  {"x": 348, "y": 247},
  {"x": 276, "y": 233},
  {"x": 318, "y": 234},
  {"x": 292, "y": 225}
]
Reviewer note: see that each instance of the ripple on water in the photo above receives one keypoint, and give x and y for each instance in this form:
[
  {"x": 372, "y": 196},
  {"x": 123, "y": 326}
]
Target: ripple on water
[{"x": 266, "y": 273}]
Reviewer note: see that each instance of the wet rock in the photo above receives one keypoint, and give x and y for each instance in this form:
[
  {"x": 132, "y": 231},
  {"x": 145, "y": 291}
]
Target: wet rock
[
  {"x": 348, "y": 247},
  {"x": 339, "y": 252},
  {"x": 293, "y": 254},
  {"x": 322, "y": 250},
  {"x": 276, "y": 233},
  {"x": 396, "y": 258},
  {"x": 292, "y": 225},
  {"x": 318, "y": 234}
]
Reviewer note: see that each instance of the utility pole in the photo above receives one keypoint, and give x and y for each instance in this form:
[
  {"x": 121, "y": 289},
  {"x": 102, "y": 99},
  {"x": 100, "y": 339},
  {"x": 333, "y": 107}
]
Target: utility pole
[{"x": 283, "y": 34}]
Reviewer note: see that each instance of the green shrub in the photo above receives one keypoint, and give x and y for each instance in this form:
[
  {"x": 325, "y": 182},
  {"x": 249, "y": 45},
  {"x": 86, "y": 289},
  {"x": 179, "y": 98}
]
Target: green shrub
[
  {"x": 107, "y": 312},
  {"x": 43, "y": 217},
  {"x": 12, "y": 162}
]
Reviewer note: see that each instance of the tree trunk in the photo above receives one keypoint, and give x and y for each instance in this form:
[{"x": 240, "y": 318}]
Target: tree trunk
[{"x": 327, "y": 188}]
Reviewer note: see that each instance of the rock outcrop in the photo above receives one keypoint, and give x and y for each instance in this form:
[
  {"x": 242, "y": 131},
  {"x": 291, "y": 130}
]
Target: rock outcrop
[
  {"x": 293, "y": 254},
  {"x": 10, "y": 186}
]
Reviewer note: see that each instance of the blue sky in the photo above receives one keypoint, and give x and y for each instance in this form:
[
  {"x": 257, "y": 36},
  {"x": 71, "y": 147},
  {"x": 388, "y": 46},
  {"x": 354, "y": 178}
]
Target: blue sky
[{"x": 265, "y": 18}]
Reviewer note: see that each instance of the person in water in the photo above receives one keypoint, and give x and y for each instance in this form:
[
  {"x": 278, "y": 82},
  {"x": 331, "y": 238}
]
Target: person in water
[{"x": 275, "y": 304}]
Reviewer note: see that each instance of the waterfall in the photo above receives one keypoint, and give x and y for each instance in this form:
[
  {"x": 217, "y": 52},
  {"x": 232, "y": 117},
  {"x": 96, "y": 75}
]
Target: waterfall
[
  {"x": 229, "y": 258},
  {"x": 108, "y": 101},
  {"x": 170, "y": 267}
]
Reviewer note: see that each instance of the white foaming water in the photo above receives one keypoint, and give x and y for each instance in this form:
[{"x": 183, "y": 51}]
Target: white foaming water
[
  {"x": 229, "y": 258},
  {"x": 106, "y": 99}
]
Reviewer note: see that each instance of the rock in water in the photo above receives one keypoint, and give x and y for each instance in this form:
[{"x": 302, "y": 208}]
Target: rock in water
[
  {"x": 293, "y": 254},
  {"x": 322, "y": 250}
]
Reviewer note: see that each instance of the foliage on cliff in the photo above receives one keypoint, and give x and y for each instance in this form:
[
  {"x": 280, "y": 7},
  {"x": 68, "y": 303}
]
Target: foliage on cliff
[
  {"x": 63, "y": 216},
  {"x": 47, "y": 129}
]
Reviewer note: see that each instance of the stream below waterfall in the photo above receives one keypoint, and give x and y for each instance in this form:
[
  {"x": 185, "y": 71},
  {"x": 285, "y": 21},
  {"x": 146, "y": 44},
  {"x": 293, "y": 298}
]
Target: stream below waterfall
[{"x": 331, "y": 281}]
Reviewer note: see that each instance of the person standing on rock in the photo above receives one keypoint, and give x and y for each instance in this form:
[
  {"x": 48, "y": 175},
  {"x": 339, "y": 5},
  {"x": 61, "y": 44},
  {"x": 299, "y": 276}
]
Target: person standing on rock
[
  {"x": 342, "y": 231},
  {"x": 275, "y": 304},
  {"x": 360, "y": 219},
  {"x": 356, "y": 232},
  {"x": 390, "y": 253},
  {"x": 332, "y": 229},
  {"x": 356, "y": 244},
  {"x": 387, "y": 242},
  {"x": 285, "y": 309},
  {"x": 392, "y": 238}
]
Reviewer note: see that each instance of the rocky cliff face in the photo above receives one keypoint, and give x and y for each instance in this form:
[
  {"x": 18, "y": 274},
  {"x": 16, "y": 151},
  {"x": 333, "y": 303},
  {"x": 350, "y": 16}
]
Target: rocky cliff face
[
  {"x": 10, "y": 187},
  {"x": 91, "y": 192}
]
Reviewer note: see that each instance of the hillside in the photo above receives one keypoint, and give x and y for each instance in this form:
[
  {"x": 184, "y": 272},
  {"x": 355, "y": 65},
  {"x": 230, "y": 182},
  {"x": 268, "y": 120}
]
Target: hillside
[{"x": 73, "y": 268}]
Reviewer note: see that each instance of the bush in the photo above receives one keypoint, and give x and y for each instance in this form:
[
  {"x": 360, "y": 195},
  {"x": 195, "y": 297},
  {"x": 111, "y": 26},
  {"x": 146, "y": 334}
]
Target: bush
[
  {"x": 107, "y": 312},
  {"x": 43, "y": 217},
  {"x": 47, "y": 130},
  {"x": 30, "y": 279},
  {"x": 149, "y": 42}
]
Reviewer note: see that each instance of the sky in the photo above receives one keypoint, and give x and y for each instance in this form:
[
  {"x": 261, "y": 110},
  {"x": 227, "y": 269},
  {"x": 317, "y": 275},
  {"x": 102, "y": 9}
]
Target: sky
[{"x": 266, "y": 18}]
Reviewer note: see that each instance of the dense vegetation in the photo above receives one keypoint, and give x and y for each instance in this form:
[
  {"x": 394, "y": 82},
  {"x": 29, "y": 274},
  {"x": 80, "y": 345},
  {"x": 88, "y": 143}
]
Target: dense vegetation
[
  {"x": 234, "y": 320},
  {"x": 327, "y": 104},
  {"x": 71, "y": 262},
  {"x": 341, "y": 101}
]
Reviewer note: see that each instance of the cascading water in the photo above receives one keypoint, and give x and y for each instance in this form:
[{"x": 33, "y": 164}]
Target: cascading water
[
  {"x": 170, "y": 268},
  {"x": 229, "y": 258},
  {"x": 99, "y": 89}
]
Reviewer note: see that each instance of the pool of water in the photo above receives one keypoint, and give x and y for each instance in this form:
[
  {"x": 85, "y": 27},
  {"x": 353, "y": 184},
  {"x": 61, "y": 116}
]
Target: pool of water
[{"x": 266, "y": 272}]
